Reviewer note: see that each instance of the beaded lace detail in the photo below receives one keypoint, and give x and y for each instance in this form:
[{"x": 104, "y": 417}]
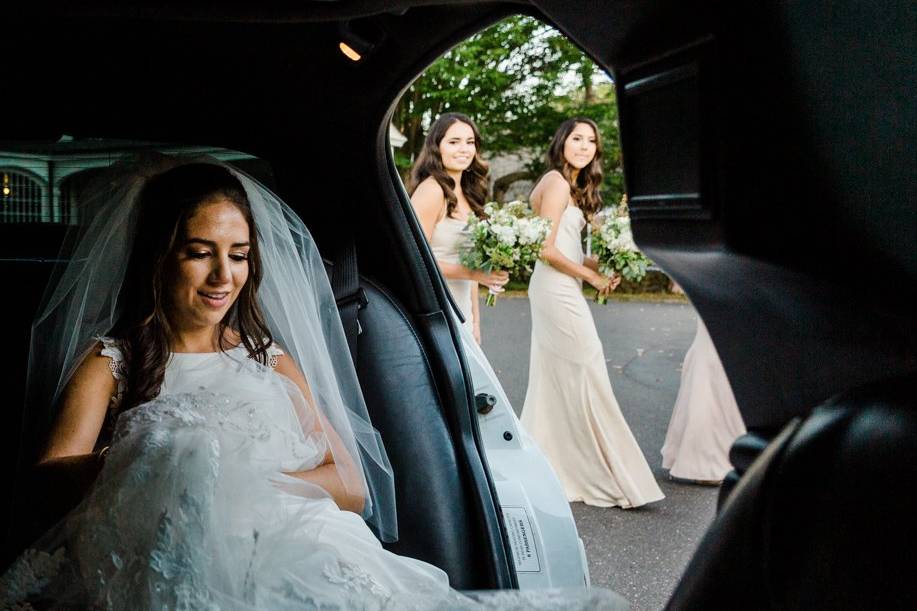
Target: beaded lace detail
[
  {"x": 272, "y": 353},
  {"x": 112, "y": 349}
]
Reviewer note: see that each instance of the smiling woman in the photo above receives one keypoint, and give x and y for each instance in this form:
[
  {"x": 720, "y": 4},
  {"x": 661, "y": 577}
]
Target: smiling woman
[
  {"x": 192, "y": 284},
  {"x": 448, "y": 184},
  {"x": 210, "y": 269}
]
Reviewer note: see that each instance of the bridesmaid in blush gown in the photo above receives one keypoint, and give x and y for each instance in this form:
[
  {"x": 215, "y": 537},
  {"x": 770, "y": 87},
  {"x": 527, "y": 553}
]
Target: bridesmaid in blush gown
[
  {"x": 448, "y": 183},
  {"x": 706, "y": 419},
  {"x": 570, "y": 409}
]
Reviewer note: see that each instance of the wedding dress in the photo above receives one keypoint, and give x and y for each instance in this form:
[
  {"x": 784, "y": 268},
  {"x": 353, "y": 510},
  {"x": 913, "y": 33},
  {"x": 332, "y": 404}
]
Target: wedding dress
[
  {"x": 705, "y": 420},
  {"x": 192, "y": 508},
  {"x": 448, "y": 235},
  {"x": 570, "y": 409}
]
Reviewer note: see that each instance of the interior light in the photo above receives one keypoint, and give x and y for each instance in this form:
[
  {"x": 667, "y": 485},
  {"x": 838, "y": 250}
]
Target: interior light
[
  {"x": 359, "y": 38},
  {"x": 6, "y": 191},
  {"x": 349, "y": 52}
]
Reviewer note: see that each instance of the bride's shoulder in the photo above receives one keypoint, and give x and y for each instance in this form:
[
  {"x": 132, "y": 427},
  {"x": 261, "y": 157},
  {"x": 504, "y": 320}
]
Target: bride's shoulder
[
  {"x": 284, "y": 364},
  {"x": 272, "y": 351},
  {"x": 100, "y": 372},
  {"x": 275, "y": 355},
  {"x": 109, "y": 350}
]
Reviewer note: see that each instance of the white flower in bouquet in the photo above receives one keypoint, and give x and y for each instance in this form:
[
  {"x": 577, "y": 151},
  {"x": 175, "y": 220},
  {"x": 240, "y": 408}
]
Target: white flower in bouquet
[
  {"x": 509, "y": 239},
  {"x": 506, "y": 234},
  {"x": 613, "y": 246},
  {"x": 531, "y": 230}
]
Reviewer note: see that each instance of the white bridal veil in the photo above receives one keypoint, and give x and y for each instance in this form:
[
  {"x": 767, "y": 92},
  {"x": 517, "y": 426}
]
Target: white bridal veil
[{"x": 84, "y": 300}]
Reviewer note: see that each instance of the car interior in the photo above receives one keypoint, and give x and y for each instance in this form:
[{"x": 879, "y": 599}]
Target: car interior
[{"x": 769, "y": 160}]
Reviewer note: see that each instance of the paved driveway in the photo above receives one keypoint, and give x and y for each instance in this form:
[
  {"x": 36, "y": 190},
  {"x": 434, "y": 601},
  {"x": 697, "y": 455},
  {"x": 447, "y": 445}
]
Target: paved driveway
[{"x": 639, "y": 553}]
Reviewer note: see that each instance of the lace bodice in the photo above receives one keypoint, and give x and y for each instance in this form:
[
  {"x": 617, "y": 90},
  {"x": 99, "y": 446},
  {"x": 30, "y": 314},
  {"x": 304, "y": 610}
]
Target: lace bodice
[{"x": 111, "y": 348}]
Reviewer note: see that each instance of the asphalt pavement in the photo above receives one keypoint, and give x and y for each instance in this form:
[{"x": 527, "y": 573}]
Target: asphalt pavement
[{"x": 639, "y": 553}]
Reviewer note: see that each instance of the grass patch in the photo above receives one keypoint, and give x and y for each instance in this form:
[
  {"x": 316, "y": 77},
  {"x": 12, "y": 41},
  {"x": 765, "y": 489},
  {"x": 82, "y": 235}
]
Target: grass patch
[
  {"x": 589, "y": 294},
  {"x": 653, "y": 288}
]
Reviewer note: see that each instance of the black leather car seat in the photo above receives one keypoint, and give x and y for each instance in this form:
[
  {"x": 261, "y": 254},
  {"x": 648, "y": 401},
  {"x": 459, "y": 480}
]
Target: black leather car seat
[
  {"x": 825, "y": 518},
  {"x": 435, "y": 517}
]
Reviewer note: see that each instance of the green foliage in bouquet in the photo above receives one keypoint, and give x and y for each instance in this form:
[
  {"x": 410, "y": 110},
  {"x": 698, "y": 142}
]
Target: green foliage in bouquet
[
  {"x": 612, "y": 244},
  {"x": 508, "y": 239}
]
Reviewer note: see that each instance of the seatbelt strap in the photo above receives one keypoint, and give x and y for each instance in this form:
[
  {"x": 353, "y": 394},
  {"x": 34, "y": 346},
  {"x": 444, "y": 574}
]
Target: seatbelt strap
[{"x": 350, "y": 298}]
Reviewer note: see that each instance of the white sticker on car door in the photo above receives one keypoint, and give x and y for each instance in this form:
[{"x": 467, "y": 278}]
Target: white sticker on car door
[{"x": 521, "y": 540}]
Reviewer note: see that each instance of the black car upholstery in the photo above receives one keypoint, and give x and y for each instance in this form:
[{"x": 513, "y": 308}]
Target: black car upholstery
[
  {"x": 26, "y": 260},
  {"x": 824, "y": 518},
  {"x": 435, "y": 518}
]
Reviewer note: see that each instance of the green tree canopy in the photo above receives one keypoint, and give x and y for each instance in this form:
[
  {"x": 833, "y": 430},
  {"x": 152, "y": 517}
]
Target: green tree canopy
[{"x": 518, "y": 79}]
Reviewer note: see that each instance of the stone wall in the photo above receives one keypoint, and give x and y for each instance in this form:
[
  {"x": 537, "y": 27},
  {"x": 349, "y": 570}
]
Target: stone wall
[{"x": 507, "y": 163}]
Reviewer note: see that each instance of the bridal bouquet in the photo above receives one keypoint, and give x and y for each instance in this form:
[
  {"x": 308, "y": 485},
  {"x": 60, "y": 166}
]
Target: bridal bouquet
[
  {"x": 613, "y": 245},
  {"x": 508, "y": 239}
]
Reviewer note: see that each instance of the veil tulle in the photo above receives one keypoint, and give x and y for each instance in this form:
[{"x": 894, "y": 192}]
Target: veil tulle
[{"x": 83, "y": 301}]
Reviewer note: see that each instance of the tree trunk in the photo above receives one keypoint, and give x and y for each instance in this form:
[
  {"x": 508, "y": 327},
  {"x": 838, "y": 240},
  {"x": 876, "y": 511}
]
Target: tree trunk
[{"x": 588, "y": 92}]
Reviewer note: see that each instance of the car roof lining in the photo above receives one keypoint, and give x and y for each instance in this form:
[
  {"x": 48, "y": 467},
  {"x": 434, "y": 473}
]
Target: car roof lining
[{"x": 234, "y": 11}]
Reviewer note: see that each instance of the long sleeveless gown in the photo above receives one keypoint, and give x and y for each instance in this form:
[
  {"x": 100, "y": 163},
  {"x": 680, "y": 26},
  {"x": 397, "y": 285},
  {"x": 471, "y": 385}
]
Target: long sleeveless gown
[
  {"x": 706, "y": 418},
  {"x": 448, "y": 236},
  {"x": 570, "y": 408},
  {"x": 192, "y": 510}
]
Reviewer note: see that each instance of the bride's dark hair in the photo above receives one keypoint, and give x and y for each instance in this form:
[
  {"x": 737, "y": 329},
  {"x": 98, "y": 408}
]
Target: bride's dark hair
[
  {"x": 585, "y": 189},
  {"x": 167, "y": 201},
  {"x": 430, "y": 163}
]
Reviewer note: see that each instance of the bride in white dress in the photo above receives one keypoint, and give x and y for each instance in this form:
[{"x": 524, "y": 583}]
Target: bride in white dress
[
  {"x": 570, "y": 408},
  {"x": 449, "y": 183},
  {"x": 227, "y": 480}
]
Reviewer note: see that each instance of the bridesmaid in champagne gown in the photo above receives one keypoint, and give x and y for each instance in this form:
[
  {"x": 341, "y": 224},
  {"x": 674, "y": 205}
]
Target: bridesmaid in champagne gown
[
  {"x": 448, "y": 183},
  {"x": 570, "y": 409},
  {"x": 706, "y": 419},
  {"x": 448, "y": 236}
]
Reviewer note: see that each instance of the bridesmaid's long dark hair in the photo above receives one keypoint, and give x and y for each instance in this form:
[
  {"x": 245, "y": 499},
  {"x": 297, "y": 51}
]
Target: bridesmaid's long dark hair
[
  {"x": 430, "y": 163},
  {"x": 167, "y": 201},
  {"x": 585, "y": 191}
]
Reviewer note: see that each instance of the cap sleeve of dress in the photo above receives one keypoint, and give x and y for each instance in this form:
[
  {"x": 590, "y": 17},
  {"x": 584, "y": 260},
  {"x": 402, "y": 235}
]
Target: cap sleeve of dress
[
  {"x": 273, "y": 351},
  {"x": 111, "y": 348}
]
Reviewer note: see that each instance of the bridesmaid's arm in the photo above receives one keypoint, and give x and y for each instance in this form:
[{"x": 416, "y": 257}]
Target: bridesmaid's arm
[
  {"x": 343, "y": 484},
  {"x": 429, "y": 204},
  {"x": 553, "y": 202}
]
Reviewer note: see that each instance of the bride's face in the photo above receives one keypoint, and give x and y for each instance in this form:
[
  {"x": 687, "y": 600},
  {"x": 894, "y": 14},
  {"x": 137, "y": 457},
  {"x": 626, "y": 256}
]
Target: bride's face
[{"x": 210, "y": 266}]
